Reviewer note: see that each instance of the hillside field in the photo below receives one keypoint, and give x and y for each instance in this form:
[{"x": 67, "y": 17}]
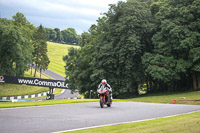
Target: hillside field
[{"x": 56, "y": 52}]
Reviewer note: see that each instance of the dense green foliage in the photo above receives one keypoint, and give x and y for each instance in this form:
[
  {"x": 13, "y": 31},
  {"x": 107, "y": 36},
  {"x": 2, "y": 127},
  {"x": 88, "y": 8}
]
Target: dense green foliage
[
  {"x": 176, "y": 54},
  {"x": 40, "y": 58},
  {"x": 137, "y": 43},
  {"x": 18, "y": 40},
  {"x": 15, "y": 45},
  {"x": 67, "y": 36}
]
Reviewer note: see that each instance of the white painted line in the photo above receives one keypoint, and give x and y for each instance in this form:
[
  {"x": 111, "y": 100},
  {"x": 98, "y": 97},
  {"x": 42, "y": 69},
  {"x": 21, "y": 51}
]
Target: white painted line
[
  {"x": 63, "y": 91},
  {"x": 121, "y": 123}
]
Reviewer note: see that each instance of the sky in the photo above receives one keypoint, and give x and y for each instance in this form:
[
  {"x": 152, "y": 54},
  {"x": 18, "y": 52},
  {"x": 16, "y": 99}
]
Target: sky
[{"x": 78, "y": 14}]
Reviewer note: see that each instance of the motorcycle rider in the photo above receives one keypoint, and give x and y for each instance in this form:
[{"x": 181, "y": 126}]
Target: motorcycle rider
[{"x": 105, "y": 84}]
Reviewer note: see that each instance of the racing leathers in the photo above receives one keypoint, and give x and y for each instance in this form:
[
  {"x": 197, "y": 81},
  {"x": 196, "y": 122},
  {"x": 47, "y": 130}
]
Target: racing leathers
[{"x": 108, "y": 87}]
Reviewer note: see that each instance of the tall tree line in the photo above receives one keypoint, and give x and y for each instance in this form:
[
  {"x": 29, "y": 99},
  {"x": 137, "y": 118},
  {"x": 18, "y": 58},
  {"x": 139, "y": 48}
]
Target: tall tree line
[
  {"x": 21, "y": 44},
  {"x": 40, "y": 58},
  {"x": 140, "y": 43},
  {"x": 66, "y": 36}
]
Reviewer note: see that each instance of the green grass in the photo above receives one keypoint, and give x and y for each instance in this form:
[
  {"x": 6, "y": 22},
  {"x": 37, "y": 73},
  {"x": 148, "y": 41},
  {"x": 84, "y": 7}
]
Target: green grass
[
  {"x": 194, "y": 96},
  {"x": 28, "y": 74},
  {"x": 15, "y": 90},
  {"x": 187, "y": 123},
  {"x": 56, "y": 52}
]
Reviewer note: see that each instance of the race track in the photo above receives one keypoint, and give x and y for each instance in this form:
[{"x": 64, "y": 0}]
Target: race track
[
  {"x": 65, "y": 95},
  {"x": 54, "y": 118}
]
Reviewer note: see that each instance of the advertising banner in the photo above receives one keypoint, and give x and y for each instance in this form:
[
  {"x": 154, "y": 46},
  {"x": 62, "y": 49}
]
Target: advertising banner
[{"x": 34, "y": 81}]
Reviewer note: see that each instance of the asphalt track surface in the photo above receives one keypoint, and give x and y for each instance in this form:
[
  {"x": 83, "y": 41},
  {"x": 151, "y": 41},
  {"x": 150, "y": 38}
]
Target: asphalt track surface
[
  {"x": 53, "y": 75},
  {"x": 56, "y": 118}
]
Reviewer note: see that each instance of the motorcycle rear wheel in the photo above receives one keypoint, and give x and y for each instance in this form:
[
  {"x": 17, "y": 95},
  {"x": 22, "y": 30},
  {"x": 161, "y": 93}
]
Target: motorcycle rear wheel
[{"x": 109, "y": 104}]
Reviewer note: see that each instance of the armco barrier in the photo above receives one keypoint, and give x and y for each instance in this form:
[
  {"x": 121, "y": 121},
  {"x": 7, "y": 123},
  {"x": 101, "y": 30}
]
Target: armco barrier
[
  {"x": 15, "y": 98},
  {"x": 23, "y": 96}
]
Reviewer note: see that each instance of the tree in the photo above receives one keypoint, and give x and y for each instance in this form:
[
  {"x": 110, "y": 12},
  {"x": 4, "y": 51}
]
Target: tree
[
  {"x": 58, "y": 35},
  {"x": 51, "y": 35},
  {"x": 194, "y": 39},
  {"x": 15, "y": 45},
  {"x": 71, "y": 65},
  {"x": 67, "y": 36},
  {"x": 20, "y": 19},
  {"x": 176, "y": 45},
  {"x": 113, "y": 49},
  {"x": 70, "y": 37},
  {"x": 41, "y": 59},
  {"x": 84, "y": 38},
  {"x": 78, "y": 70}
]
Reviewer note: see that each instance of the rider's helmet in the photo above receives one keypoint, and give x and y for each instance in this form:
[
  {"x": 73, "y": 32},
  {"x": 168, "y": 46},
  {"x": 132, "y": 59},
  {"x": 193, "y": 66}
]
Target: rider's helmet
[{"x": 104, "y": 81}]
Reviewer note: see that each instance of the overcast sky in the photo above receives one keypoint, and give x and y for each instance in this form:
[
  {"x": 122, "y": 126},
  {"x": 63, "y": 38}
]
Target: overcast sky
[{"x": 78, "y": 14}]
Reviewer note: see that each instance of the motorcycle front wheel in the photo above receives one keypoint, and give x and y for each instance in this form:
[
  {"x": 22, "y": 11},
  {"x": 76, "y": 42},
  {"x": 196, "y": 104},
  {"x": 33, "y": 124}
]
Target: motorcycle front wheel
[{"x": 101, "y": 102}]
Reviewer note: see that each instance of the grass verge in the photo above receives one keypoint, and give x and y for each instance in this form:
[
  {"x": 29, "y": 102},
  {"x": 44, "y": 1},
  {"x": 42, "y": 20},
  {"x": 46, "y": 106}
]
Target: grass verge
[
  {"x": 181, "y": 98},
  {"x": 187, "y": 123},
  {"x": 47, "y": 102},
  {"x": 18, "y": 90}
]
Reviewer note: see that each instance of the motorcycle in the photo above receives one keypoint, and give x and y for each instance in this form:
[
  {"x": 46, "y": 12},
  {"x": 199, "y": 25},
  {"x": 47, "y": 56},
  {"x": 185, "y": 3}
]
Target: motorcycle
[{"x": 104, "y": 97}]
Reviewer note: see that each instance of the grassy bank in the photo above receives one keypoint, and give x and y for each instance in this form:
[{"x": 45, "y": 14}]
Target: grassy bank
[
  {"x": 55, "y": 53},
  {"x": 17, "y": 90},
  {"x": 192, "y": 97},
  {"x": 187, "y": 123}
]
